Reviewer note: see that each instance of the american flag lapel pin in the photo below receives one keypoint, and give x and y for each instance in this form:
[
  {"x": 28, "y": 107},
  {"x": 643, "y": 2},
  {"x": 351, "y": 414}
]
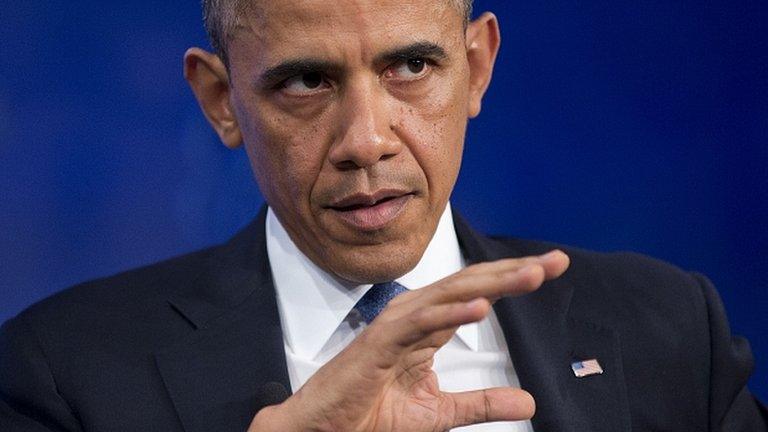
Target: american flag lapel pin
[{"x": 585, "y": 368}]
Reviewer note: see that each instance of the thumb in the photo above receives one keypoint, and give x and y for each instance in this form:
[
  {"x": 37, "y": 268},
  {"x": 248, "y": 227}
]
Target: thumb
[{"x": 490, "y": 405}]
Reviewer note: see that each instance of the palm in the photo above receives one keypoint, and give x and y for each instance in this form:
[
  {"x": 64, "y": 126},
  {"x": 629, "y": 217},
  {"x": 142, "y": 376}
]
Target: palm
[{"x": 414, "y": 402}]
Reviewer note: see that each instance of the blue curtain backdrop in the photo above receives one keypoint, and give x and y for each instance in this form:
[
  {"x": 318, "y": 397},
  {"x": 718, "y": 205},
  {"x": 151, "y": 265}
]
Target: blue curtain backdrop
[{"x": 611, "y": 125}]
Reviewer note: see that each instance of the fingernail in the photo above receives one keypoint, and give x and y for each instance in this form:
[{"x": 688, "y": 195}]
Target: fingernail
[{"x": 551, "y": 254}]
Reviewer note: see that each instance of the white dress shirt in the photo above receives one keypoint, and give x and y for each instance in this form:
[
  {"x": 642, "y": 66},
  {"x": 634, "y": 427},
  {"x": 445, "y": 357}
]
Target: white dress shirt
[{"x": 319, "y": 320}]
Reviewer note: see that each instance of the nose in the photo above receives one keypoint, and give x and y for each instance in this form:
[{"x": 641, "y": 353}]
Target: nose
[{"x": 366, "y": 133}]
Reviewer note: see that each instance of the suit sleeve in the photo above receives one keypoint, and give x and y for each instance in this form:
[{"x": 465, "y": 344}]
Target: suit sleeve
[
  {"x": 29, "y": 399},
  {"x": 732, "y": 407}
]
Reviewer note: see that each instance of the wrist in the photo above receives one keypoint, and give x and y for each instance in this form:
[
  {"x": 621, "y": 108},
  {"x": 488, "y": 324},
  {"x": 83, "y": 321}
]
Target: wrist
[
  {"x": 284, "y": 417},
  {"x": 270, "y": 419}
]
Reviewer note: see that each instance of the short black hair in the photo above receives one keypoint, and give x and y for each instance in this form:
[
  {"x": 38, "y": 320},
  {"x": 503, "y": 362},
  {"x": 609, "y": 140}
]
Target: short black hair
[{"x": 220, "y": 18}]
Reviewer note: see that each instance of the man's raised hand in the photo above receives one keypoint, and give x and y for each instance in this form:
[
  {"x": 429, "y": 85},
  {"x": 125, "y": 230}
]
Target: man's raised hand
[{"x": 383, "y": 381}]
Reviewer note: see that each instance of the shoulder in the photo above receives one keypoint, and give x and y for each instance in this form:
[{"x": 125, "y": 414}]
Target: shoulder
[
  {"x": 672, "y": 331},
  {"x": 130, "y": 293},
  {"x": 123, "y": 317},
  {"x": 626, "y": 286},
  {"x": 136, "y": 308},
  {"x": 142, "y": 295},
  {"x": 94, "y": 329},
  {"x": 624, "y": 267}
]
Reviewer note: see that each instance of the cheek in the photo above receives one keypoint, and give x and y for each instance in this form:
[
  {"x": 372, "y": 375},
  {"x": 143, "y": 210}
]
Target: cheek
[
  {"x": 434, "y": 130},
  {"x": 286, "y": 156}
]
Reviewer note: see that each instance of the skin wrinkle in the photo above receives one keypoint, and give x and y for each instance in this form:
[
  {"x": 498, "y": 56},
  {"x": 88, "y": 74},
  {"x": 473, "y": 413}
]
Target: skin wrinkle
[{"x": 486, "y": 404}]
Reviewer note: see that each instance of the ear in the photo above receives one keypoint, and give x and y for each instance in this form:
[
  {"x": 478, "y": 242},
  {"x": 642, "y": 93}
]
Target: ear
[
  {"x": 482, "y": 41},
  {"x": 207, "y": 75}
]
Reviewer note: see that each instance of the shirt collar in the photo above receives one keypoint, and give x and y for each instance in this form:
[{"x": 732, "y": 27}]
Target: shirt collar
[{"x": 313, "y": 303}]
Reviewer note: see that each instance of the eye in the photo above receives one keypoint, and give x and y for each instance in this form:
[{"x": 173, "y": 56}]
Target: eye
[
  {"x": 305, "y": 84},
  {"x": 409, "y": 70}
]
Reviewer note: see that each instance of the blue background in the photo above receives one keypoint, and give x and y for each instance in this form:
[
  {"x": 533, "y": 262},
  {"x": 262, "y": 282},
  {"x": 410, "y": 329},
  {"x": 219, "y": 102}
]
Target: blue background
[{"x": 611, "y": 125}]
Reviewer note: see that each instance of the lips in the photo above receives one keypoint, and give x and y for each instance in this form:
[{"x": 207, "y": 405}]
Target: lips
[{"x": 370, "y": 212}]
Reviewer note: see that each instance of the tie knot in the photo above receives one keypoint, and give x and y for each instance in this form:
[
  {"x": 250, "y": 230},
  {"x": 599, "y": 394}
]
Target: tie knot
[{"x": 376, "y": 299}]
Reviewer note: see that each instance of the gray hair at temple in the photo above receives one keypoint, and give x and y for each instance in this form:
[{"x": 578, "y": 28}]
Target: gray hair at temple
[{"x": 220, "y": 17}]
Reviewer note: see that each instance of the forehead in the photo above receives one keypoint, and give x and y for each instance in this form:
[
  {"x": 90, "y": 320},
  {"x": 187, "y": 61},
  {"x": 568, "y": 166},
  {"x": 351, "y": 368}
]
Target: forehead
[{"x": 272, "y": 29}]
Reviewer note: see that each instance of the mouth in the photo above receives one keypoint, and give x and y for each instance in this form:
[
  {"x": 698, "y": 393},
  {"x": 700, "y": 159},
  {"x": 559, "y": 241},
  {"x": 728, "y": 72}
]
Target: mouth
[{"x": 371, "y": 212}]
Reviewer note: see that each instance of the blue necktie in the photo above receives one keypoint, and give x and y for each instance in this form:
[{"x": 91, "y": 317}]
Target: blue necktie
[{"x": 376, "y": 299}]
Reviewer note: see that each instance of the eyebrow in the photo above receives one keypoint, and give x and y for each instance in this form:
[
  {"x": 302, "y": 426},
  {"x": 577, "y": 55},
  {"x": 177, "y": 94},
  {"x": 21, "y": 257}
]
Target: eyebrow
[
  {"x": 300, "y": 66},
  {"x": 414, "y": 50}
]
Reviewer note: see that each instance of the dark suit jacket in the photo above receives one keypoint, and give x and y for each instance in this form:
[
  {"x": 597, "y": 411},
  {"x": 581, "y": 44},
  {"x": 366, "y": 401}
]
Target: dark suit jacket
[{"x": 193, "y": 343}]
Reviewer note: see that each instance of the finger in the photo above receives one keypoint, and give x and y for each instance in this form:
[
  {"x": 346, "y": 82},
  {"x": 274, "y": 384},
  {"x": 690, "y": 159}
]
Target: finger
[
  {"x": 392, "y": 336},
  {"x": 411, "y": 318},
  {"x": 502, "y": 265},
  {"x": 489, "y": 405},
  {"x": 489, "y": 285},
  {"x": 497, "y": 278},
  {"x": 554, "y": 262},
  {"x": 421, "y": 323},
  {"x": 413, "y": 323}
]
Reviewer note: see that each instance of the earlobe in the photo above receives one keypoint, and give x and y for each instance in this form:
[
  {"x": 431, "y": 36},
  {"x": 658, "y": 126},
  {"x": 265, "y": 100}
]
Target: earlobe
[
  {"x": 208, "y": 78},
  {"x": 483, "y": 40}
]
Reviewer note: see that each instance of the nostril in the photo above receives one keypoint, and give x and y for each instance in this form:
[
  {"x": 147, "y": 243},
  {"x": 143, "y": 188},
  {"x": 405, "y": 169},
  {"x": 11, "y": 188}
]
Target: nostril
[{"x": 347, "y": 165}]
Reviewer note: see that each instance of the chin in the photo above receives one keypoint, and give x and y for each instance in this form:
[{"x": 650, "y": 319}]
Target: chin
[{"x": 364, "y": 268}]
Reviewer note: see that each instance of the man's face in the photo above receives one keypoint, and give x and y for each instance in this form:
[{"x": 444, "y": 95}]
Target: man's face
[{"x": 353, "y": 114}]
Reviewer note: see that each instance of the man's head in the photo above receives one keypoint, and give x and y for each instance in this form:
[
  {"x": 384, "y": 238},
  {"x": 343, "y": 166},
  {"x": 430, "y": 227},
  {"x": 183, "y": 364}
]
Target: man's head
[{"x": 353, "y": 114}]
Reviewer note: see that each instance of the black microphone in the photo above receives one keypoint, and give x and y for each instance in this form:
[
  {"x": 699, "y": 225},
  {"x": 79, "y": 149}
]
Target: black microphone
[{"x": 272, "y": 393}]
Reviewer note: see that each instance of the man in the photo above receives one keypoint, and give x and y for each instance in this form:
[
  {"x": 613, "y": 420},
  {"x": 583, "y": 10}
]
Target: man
[{"x": 353, "y": 115}]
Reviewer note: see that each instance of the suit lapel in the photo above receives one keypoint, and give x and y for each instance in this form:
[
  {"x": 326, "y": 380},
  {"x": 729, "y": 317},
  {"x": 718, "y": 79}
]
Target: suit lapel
[
  {"x": 544, "y": 339},
  {"x": 231, "y": 365}
]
